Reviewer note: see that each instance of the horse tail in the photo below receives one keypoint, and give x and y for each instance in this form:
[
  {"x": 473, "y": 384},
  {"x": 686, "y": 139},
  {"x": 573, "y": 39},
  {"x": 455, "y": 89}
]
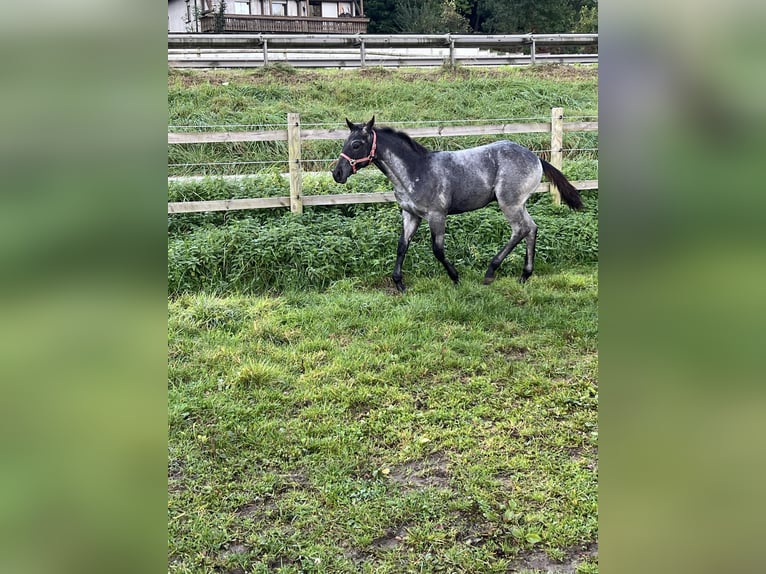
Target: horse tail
[{"x": 568, "y": 192}]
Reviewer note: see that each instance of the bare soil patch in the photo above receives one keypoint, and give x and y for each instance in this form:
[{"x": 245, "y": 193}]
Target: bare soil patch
[
  {"x": 430, "y": 472},
  {"x": 539, "y": 561}
]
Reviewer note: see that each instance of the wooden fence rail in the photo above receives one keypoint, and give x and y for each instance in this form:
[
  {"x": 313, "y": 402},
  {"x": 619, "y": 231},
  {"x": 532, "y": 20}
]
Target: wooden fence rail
[{"x": 294, "y": 134}]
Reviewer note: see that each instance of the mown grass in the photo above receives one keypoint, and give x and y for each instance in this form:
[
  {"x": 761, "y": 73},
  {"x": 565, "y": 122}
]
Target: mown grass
[{"x": 451, "y": 429}]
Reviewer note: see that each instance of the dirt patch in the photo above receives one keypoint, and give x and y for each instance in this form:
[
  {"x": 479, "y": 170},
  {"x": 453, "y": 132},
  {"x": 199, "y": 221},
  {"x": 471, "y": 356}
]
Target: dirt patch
[
  {"x": 176, "y": 476},
  {"x": 282, "y": 561},
  {"x": 234, "y": 550},
  {"x": 539, "y": 561},
  {"x": 561, "y": 72},
  {"x": 430, "y": 472},
  {"x": 267, "y": 75},
  {"x": 515, "y": 352},
  {"x": 266, "y": 504},
  {"x": 258, "y": 507},
  {"x": 390, "y": 540}
]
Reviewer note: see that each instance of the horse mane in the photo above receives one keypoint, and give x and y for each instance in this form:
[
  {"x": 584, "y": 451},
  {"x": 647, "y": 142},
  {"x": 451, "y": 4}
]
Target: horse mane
[{"x": 415, "y": 146}]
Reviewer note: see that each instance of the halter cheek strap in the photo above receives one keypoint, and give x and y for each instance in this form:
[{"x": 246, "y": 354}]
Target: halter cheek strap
[{"x": 368, "y": 159}]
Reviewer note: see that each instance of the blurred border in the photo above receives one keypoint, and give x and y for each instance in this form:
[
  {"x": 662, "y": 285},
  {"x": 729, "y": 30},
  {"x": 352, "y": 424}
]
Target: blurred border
[
  {"x": 83, "y": 307},
  {"x": 681, "y": 286}
]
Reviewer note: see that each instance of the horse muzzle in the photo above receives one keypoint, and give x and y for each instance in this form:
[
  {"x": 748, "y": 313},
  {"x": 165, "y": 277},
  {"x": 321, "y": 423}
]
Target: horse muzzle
[{"x": 341, "y": 171}]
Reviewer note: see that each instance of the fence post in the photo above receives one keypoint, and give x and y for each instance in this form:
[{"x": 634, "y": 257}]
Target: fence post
[
  {"x": 294, "y": 157},
  {"x": 362, "y": 54},
  {"x": 557, "y": 147},
  {"x": 532, "y": 51},
  {"x": 265, "y": 52}
]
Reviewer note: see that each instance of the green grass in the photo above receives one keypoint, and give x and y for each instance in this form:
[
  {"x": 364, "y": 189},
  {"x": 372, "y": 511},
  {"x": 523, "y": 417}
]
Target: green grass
[
  {"x": 318, "y": 422},
  {"x": 450, "y": 429},
  {"x": 272, "y": 251},
  {"x": 262, "y": 98}
]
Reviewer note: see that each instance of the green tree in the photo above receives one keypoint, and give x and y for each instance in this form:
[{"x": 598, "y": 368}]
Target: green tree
[
  {"x": 380, "y": 13},
  {"x": 429, "y": 17},
  {"x": 587, "y": 18},
  {"x": 522, "y": 16},
  {"x": 482, "y": 16},
  {"x": 417, "y": 17}
]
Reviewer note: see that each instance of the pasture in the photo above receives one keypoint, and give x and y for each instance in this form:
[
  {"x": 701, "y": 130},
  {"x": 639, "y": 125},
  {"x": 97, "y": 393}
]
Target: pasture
[{"x": 319, "y": 422}]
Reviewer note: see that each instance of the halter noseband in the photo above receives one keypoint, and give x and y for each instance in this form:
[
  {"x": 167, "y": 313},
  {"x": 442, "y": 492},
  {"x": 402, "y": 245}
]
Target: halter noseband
[{"x": 369, "y": 158}]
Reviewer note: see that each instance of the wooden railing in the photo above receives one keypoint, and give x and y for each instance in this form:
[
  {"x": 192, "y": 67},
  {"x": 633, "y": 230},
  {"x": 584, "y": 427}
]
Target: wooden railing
[
  {"x": 340, "y": 50},
  {"x": 293, "y": 134},
  {"x": 282, "y": 24}
]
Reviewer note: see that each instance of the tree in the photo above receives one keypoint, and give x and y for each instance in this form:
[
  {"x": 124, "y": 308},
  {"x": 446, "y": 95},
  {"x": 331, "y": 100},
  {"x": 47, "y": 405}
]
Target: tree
[
  {"x": 429, "y": 17},
  {"x": 482, "y": 16},
  {"x": 524, "y": 16},
  {"x": 380, "y": 13},
  {"x": 587, "y": 19}
]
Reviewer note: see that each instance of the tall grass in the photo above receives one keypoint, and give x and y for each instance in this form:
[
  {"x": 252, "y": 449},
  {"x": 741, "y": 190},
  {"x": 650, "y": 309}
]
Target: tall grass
[
  {"x": 259, "y": 251},
  {"x": 274, "y": 250}
]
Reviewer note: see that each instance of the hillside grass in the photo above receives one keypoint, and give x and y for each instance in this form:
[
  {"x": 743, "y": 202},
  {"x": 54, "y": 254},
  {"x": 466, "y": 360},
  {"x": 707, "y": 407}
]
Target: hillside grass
[
  {"x": 319, "y": 422},
  {"x": 451, "y": 429},
  {"x": 261, "y": 99},
  {"x": 270, "y": 250}
]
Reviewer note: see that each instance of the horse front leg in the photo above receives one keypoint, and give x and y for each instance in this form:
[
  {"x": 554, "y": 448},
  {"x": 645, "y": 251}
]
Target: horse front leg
[
  {"x": 438, "y": 225},
  {"x": 410, "y": 224}
]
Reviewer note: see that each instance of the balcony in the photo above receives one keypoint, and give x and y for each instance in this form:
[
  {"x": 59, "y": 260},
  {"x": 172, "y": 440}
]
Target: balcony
[{"x": 282, "y": 24}]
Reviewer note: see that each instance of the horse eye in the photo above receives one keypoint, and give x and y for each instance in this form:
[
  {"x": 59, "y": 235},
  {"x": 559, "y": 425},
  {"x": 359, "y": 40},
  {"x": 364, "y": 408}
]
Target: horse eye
[{"x": 355, "y": 145}]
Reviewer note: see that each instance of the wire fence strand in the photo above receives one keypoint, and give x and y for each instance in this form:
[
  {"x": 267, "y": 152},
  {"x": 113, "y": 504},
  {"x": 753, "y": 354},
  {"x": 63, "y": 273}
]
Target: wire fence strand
[{"x": 333, "y": 125}]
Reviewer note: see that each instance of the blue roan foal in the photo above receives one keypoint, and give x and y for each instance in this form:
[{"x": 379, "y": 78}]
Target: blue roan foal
[{"x": 431, "y": 185}]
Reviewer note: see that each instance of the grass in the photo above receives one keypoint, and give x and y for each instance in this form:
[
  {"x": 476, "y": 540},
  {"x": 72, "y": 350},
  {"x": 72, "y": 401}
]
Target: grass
[
  {"x": 451, "y": 429},
  {"x": 273, "y": 251},
  {"x": 262, "y": 98},
  {"x": 317, "y": 422}
]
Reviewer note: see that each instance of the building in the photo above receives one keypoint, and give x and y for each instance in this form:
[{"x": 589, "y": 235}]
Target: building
[{"x": 275, "y": 16}]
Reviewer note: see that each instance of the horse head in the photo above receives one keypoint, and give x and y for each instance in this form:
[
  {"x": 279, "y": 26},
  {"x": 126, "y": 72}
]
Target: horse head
[{"x": 358, "y": 150}]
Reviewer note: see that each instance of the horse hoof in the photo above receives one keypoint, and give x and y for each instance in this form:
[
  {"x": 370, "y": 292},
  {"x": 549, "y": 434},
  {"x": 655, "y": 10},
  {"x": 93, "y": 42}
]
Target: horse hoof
[
  {"x": 523, "y": 279},
  {"x": 488, "y": 280}
]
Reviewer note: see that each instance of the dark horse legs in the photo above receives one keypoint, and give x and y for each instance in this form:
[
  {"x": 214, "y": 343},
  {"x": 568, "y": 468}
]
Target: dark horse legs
[
  {"x": 523, "y": 226},
  {"x": 410, "y": 224},
  {"x": 437, "y": 226}
]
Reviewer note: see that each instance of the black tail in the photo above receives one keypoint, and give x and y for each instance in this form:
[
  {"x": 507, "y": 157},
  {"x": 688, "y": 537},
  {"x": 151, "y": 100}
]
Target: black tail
[{"x": 569, "y": 194}]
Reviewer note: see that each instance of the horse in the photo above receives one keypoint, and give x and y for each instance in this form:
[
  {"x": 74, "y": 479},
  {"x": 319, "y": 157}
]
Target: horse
[{"x": 433, "y": 184}]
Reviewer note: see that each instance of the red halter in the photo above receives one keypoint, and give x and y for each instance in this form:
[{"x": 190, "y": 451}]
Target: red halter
[{"x": 369, "y": 158}]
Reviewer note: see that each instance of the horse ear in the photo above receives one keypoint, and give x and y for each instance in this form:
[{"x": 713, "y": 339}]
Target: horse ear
[
  {"x": 370, "y": 124},
  {"x": 350, "y": 125}
]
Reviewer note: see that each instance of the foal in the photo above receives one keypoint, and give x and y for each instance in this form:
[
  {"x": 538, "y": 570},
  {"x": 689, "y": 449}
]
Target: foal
[{"x": 431, "y": 185}]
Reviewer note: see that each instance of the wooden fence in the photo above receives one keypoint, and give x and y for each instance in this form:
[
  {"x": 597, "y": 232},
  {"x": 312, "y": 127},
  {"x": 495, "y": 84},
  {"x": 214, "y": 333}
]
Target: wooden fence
[{"x": 293, "y": 134}]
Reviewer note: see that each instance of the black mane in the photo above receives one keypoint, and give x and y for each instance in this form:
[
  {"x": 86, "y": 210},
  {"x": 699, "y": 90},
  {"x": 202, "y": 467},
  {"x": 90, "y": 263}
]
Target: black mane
[{"x": 415, "y": 146}]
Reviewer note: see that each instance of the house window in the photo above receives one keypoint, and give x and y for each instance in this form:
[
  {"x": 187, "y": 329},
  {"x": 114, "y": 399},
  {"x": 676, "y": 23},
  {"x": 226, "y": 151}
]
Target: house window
[
  {"x": 315, "y": 9},
  {"x": 344, "y": 9},
  {"x": 242, "y": 7},
  {"x": 279, "y": 8}
]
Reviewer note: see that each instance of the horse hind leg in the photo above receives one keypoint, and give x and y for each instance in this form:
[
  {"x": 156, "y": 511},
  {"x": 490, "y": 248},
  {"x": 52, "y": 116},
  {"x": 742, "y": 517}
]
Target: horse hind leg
[
  {"x": 523, "y": 226},
  {"x": 529, "y": 257},
  {"x": 438, "y": 226}
]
